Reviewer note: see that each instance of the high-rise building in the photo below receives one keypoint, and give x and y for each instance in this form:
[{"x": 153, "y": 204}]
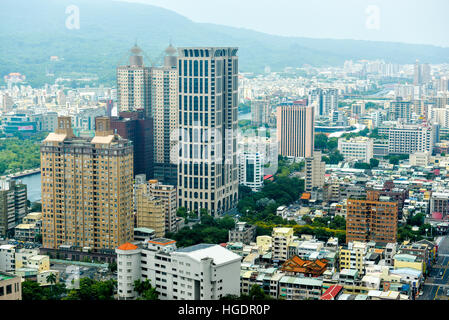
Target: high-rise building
[
  {"x": 133, "y": 126},
  {"x": 260, "y": 111},
  {"x": 400, "y": 110},
  {"x": 164, "y": 105},
  {"x": 251, "y": 170},
  {"x": 324, "y": 101},
  {"x": 372, "y": 220},
  {"x": 13, "y": 205},
  {"x": 208, "y": 100},
  {"x": 408, "y": 139},
  {"x": 315, "y": 171},
  {"x": 86, "y": 188},
  {"x": 295, "y": 130},
  {"x": 133, "y": 84},
  {"x": 359, "y": 148},
  {"x": 422, "y": 73}
]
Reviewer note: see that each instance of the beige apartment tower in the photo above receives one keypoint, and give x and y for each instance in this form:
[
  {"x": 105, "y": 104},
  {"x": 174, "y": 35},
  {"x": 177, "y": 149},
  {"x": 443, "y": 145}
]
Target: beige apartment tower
[
  {"x": 208, "y": 101},
  {"x": 86, "y": 188},
  {"x": 164, "y": 106},
  {"x": 150, "y": 211},
  {"x": 295, "y": 130},
  {"x": 133, "y": 84},
  {"x": 315, "y": 171}
]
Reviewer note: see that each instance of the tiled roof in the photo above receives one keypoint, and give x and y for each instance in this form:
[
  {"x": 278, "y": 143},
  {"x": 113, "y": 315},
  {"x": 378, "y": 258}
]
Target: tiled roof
[
  {"x": 331, "y": 293},
  {"x": 127, "y": 246}
]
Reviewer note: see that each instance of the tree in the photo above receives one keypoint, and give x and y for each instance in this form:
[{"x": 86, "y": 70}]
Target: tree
[
  {"x": 112, "y": 267},
  {"x": 256, "y": 293},
  {"x": 93, "y": 290},
  {"x": 145, "y": 290},
  {"x": 374, "y": 163}
]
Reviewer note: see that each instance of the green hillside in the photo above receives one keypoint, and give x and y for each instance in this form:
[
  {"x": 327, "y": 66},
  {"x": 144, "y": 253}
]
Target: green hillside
[{"x": 34, "y": 30}]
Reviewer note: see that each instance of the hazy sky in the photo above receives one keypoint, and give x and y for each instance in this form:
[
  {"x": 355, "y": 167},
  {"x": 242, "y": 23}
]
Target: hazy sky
[{"x": 411, "y": 21}]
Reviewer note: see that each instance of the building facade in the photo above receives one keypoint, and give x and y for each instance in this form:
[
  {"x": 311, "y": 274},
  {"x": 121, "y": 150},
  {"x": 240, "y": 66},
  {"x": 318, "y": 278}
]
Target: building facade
[
  {"x": 295, "y": 130},
  {"x": 360, "y": 148},
  {"x": 208, "y": 100},
  {"x": 200, "y": 272},
  {"x": 86, "y": 188}
]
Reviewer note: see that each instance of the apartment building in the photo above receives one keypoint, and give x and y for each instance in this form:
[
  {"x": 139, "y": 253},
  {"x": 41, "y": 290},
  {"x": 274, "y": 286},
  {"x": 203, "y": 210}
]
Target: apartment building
[
  {"x": 352, "y": 256},
  {"x": 243, "y": 233},
  {"x": 200, "y": 272},
  {"x": 251, "y": 170},
  {"x": 295, "y": 288},
  {"x": 150, "y": 211},
  {"x": 13, "y": 205},
  {"x": 315, "y": 171},
  {"x": 359, "y": 148},
  {"x": 10, "y": 287},
  {"x": 282, "y": 237},
  {"x": 86, "y": 188},
  {"x": 7, "y": 258},
  {"x": 372, "y": 220},
  {"x": 133, "y": 84},
  {"x": 165, "y": 113}
]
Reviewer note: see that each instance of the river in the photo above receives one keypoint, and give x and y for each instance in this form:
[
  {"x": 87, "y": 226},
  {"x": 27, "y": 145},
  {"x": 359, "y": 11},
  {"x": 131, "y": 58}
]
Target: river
[{"x": 33, "y": 183}]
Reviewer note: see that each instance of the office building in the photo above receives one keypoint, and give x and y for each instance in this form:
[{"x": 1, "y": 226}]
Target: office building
[
  {"x": 13, "y": 205},
  {"x": 408, "y": 139},
  {"x": 86, "y": 188},
  {"x": 251, "y": 170},
  {"x": 208, "y": 100},
  {"x": 359, "y": 148},
  {"x": 315, "y": 170},
  {"x": 295, "y": 130},
  {"x": 200, "y": 272},
  {"x": 164, "y": 105}
]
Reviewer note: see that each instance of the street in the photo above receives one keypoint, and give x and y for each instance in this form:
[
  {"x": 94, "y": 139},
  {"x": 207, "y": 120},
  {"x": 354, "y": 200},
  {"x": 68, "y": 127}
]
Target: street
[{"x": 436, "y": 286}]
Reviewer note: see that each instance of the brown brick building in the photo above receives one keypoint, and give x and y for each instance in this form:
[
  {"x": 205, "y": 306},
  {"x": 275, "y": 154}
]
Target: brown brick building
[{"x": 372, "y": 220}]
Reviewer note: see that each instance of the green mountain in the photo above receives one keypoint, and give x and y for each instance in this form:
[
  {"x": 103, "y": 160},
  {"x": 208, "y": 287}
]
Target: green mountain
[{"x": 35, "y": 30}]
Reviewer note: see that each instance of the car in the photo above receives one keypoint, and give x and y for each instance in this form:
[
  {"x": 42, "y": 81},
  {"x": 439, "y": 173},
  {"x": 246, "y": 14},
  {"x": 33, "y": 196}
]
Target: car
[
  {"x": 441, "y": 273},
  {"x": 447, "y": 293}
]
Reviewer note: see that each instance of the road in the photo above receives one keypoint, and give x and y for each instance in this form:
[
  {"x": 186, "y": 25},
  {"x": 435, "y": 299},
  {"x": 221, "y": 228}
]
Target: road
[{"x": 436, "y": 285}]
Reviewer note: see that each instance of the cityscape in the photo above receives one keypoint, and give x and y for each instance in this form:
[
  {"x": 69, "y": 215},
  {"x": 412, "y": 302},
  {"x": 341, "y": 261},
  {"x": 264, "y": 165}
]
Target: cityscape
[{"x": 200, "y": 175}]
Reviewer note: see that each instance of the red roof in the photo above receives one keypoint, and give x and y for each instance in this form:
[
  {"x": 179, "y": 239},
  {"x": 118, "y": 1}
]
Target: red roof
[
  {"x": 332, "y": 292},
  {"x": 127, "y": 246}
]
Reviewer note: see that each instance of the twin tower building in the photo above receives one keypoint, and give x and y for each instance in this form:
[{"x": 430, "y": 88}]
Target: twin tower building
[{"x": 176, "y": 123}]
